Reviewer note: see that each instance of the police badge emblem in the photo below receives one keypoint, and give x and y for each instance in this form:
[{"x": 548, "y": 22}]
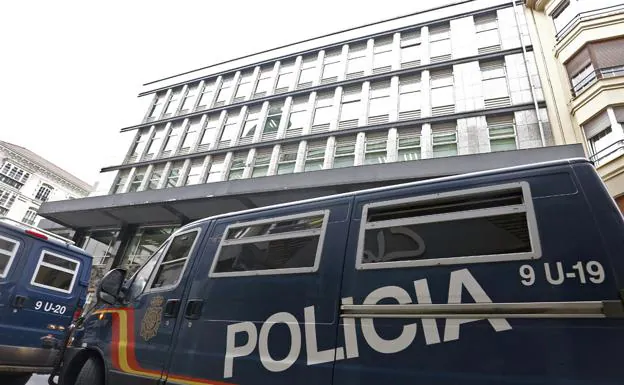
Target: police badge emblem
[{"x": 151, "y": 320}]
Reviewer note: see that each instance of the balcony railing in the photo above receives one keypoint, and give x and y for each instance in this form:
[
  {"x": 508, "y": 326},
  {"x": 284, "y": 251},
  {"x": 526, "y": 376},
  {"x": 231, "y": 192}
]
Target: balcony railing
[
  {"x": 600, "y": 73},
  {"x": 608, "y": 153},
  {"x": 589, "y": 15}
]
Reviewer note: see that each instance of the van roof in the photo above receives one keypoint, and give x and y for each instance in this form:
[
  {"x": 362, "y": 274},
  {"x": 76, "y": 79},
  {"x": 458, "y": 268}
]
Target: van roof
[
  {"x": 43, "y": 235},
  {"x": 395, "y": 186}
]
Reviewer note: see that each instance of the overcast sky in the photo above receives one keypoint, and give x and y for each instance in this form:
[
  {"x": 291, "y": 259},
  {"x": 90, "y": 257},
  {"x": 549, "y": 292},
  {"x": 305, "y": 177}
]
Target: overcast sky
[{"x": 70, "y": 71}]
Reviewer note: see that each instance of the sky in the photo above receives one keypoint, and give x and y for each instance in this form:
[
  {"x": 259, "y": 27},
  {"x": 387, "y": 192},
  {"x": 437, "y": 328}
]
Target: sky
[{"x": 70, "y": 71}]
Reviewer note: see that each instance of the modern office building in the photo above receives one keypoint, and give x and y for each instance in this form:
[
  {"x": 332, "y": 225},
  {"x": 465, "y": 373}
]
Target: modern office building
[
  {"x": 580, "y": 49},
  {"x": 27, "y": 180},
  {"x": 445, "y": 91}
]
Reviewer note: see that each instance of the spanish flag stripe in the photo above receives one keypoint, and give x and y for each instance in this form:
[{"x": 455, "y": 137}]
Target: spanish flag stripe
[{"x": 123, "y": 352}]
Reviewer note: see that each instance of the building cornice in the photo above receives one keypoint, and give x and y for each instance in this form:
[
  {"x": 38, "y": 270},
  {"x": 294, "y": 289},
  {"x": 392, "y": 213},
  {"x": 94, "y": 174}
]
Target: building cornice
[
  {"x": 537, "y": 5},
  {"x": 35, "y": 167},
  {"x": 574, "y": 36}
]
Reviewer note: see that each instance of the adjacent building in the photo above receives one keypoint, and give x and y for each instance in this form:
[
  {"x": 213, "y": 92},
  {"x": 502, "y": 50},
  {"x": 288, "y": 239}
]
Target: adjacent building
[
  {"x": 445, "y": 91},
  {"x": 580, "y": 50},
  {"x": 27, "y": 180}
]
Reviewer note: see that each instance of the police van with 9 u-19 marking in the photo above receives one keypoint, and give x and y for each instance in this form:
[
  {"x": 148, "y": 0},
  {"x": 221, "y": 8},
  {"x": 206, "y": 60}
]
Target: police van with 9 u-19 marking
[{"x": 507, "y": 276}]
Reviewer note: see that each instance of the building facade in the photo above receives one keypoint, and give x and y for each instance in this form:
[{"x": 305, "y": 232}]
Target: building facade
[
  {"x": 445, "y": 91},
  {"x": 28, "y": 180},
  {"x": 580, "y": 47}
]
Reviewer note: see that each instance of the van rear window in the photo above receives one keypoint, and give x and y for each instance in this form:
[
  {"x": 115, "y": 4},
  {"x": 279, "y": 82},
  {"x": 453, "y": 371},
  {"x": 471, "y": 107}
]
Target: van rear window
[
  {"x": 479, "y": 225},
  {"x": 281, "y": 245},
  {"x": 55, "y": 272},
  {"x": 8, "y": 250}
]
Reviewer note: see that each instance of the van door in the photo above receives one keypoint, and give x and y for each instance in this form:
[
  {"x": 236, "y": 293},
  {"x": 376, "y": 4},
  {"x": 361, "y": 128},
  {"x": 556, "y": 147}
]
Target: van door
[
  {"x": 11, "y": 250},
  {"x": 494, "y": 280},
  {"x": 48, "y": 291},
  {"x": 264, "y": 311},
  {"x": 142, "y": 331}
]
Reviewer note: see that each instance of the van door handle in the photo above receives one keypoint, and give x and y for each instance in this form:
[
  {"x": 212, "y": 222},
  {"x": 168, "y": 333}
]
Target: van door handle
[
  {"x": 193, "y": 309},
  {"x": 19, "y": 301},
  {"x": 171, "y": 308}
]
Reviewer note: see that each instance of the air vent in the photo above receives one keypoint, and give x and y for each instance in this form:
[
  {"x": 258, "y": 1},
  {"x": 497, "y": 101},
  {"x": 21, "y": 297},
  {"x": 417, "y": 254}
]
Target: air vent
[
  {"x": 224, "y": 143},
  {"x": 438, "y": 59},
  {"x": 204, "y": 147},
  {"x": 184, "y": 151},
  {"x": 269, "y": 136},
  {"x": 201, "y": 108},
  {"x": 280, "y": 90},
  {"x": 319, "y": 128},
  {"x": 379, "y": 119},
  {"x": 410, "y": 64},
  {"x": 348, "y": 124},
  {"x": 259, "y": 94},
  {"x": 443, "y": 110},
  {"x": 333, "y": 79},
  {"x": 239, "y": 99},
  {"x": 491, "y": 49},
  {"x": 304, "y": 85},
  {"x": 182, "y": 112},
  {"x": 381, "y": 70},
  {"x": 219, "y": 104},
  {"x": 292, "y": 132},
  {"x": 245, "y": 140},
  {"x": 498, "y": 102},
  {"x": 131, "y": 159},
  {"x": 354, "y": 75},
  {"x": 409, "y": 115},
  {"x": 148, "y": 157},
  {"x": 166, "y": 154},
  {"x": 150, "y": 119}
]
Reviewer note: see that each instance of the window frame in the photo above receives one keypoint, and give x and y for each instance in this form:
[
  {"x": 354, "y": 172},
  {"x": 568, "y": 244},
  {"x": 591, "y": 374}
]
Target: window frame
[
  {"x": 526, "y": 207},
  {"x": 52, "y": 266},
  {"x": 17, "y": 245},
  {"x": 294, "y": 270},
  {"x": 148, "y": 286}
]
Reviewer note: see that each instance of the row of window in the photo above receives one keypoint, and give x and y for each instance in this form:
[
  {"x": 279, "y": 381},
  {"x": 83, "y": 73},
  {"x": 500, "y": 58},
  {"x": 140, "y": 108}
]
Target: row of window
[
  {"x": 333, "y": 64},
  {"x": 489, "y": 224},
  {"x": 53, "y": 271},
  {"x": 374, "y": 147},
  {"x": 358, "y": 105},
  {"x": 568, "y": 11},
  {"x": 13, "y": 175},
  {"x": 597, "y": 60}
]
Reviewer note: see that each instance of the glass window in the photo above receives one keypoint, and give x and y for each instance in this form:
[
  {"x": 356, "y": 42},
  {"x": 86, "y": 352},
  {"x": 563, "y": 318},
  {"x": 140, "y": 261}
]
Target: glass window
[
  {"x": 251, "y": 124},
  {"x": 192, "y": 133},
  {"x": 43, "y": 194},
  {"x": 29, "y": 217},
  {"x": 375, "y": 148},
  {"x": 298, "y": 114},
  {"x": 238, "y": 166},
  {"x": 189, "y": 99},
  {"x": 409, "y": 94},
  {"x": 156, "y": 142},
  {"x": 215, "y": 170},
  {"x": 583, "y": 78},
  {"x": 139, "y": 144},
  {"x": 174, "y": 101},
  {"x": 331, "y": 70},
  {"x": 194, "y": 173},
  {"x": 324, "y": 111},
  {"x": 444, "y": 143},
  {"x": 244, "y": 86},
  {"x": 145, "y": 242},
  {"x": 208, "y": 135},
  {"x": 120, "y": 183},
  {"x": 225, "y": 92},
  {"x": 344, "y": 152},
  {"x": 102, "y": 245},
  {"x": 261, "y": 163},
  {"x": 315, "y": 156},
  {"x": 494, "y": 79},
  {"x": 288, "y": 243},
  {"x": 139, "y": 175},
  {"x": 410, "y": 53},
  {"x": 157, "y": 107},
  {"x": 205, "y": 99},
  {"x": 356, "y": 64},
  {"x": 174, "y": 174},
  {"x": 502, "y": 133},
  {"x": 285, "y": 80},
  {"x": 287, "y": 160},
  {"x": 8, "y": 250},
  {"x": 477, "y": 225},
  {"x": 442, "y": 89},
  {"x": 142, "y": 276},
  {"x": 307, "y": 75},
  {"x": 382, "y": 59},
  {"x": 265, "y": 82},
  {"x": 380, "y": 103},
  {"x": 55, "y": 272},
  {"x": 155, "y": 177},
  {"x": 273, "y": 118},
  {"x": 229, "y": 130},
  {"x": 172, "y": 265},
  {"x": 172, "y": 140},
  {"x": 408, "y": 144},
  {"x": 351, "y": 107},
  {"x": 440, "y": 48},
  {"x": 563, "y": 15}
]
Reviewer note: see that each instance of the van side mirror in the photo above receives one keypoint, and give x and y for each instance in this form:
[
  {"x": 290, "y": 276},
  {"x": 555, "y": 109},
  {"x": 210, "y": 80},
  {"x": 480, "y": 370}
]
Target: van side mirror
[{"x": 109, "y": 288}]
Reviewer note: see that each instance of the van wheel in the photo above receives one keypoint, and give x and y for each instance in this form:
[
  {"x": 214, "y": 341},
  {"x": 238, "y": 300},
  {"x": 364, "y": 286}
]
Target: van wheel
[
  {"x": 14, "y": 379},
  {"x": 90, "y": 374}
]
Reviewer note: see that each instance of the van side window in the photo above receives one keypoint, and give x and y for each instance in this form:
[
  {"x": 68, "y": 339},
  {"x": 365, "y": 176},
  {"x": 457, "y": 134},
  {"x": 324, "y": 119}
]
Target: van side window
[
  {"x": 281, "y": 245},
  {"x": 172, "y": 265},
  {"x": 55, "y": 272},
  {"x": 495, "y": 223},
  {"x": 140, "y": 278},
  {"x": 8, "y": 250}
]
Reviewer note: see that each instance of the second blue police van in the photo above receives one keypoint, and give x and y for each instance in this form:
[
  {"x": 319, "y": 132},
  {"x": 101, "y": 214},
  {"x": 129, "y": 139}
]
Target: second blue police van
[
  {"x": 510, "y": 276},
  {"x": 43, "y": 283}
]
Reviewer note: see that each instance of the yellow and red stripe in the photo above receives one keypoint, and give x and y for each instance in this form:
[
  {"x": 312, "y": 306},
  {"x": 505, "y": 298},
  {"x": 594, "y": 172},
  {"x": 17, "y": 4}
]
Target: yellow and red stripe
[{"x": 123, "y": 350}]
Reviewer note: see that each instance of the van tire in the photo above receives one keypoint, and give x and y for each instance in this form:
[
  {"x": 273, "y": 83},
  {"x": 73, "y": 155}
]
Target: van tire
[
  {"x": 90, "y": 374},
  {"x": 14, "y": 379}
]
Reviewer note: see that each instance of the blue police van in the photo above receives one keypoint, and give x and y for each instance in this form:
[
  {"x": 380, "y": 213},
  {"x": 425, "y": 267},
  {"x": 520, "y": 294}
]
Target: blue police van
[
  {"x": 43, "y": 283},
  {"x": 510, "y": 276}
]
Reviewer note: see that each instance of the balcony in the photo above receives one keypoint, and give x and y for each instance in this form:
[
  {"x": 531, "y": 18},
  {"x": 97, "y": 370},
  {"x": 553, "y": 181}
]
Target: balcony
[
  {"x": 609, "y": 153},
  {"x": 598, "y": 74},
  {"x": 588, "y": 16}
]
